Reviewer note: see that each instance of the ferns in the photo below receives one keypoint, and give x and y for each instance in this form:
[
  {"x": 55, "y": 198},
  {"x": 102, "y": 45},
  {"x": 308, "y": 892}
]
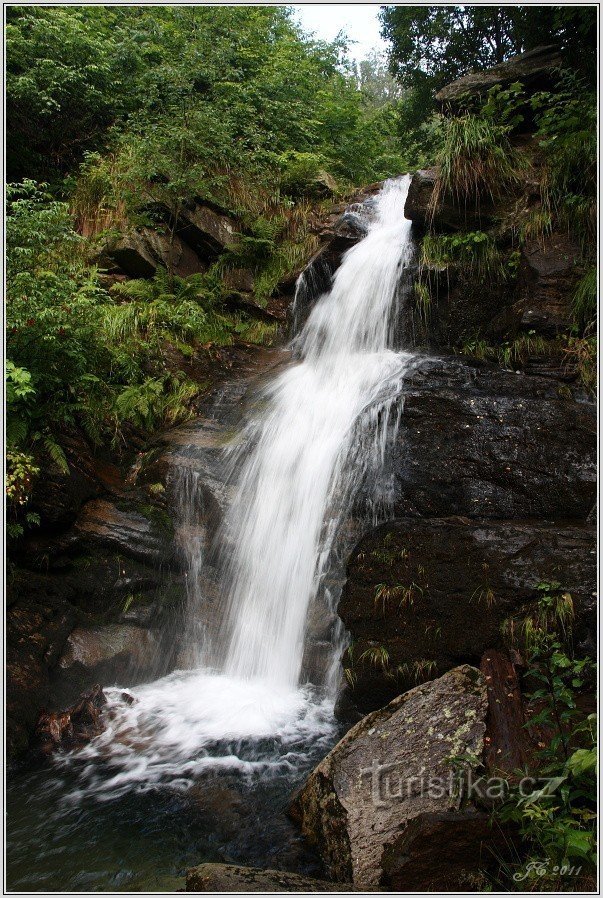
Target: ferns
[
  {"x": 156, "y": 401},
  {"x": 56, "y": 453}
]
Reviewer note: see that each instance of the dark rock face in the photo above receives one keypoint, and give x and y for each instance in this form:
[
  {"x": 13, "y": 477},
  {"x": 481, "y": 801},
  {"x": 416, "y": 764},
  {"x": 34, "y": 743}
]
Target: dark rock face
[
  {"x": 361, "y": 803},
  {"x": 490, "y": 443},
  {"x": 436, "y": 591},
  {"x": 535, "y": 69},
  {"x": 72, "y": 728},
  {"x": 448, "y": 216},
  {"x": 548, "y": 277},
  {"x": 233, "y": 878},
  {"x": 59, "y": 496},
  {"x": 36, "y": 632}
]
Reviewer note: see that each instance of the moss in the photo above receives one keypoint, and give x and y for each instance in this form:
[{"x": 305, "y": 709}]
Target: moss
[{"x": 157, "y": 516}]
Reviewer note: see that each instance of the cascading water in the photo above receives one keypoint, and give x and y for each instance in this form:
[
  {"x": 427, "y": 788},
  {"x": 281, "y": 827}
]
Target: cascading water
[{"x": 256, "y": 700}]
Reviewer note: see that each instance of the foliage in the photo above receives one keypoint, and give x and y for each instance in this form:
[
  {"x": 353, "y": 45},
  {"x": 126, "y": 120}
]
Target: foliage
[
  {"x": 184, "y": 96},
  {"x": 476, "y": 160},
  {"x": 567, "y": 134},
  {"x": 433, "y": 45},
  {"x": 557, "y": 821},
  {"x": 473, "y": 251},
  {"x": 79, "y": 357},
  {"x": 584, "y": 300}
]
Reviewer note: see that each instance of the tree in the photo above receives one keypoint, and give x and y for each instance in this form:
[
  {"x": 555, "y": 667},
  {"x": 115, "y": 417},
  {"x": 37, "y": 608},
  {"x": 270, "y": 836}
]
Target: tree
[{"x": 433, "y": 45}]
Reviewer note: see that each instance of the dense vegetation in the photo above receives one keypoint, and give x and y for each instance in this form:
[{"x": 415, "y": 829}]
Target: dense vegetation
[
  {"x": 433, "y": 45},
  {"x": 117, "y": 112}
]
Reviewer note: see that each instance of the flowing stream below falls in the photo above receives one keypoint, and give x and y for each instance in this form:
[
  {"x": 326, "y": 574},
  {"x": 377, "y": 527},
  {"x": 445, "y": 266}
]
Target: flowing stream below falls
[{"x": 201, "y": 764}]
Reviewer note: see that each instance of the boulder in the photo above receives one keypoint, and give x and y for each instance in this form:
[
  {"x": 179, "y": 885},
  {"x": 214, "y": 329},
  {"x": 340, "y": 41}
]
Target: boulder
[
  {"x": 132, "y": 254},
  {"x": 536, "y": 70},
  {"x": 115, "y": 653},
  {"x": 488, "y": 443},
  {"x": 233, "y": 878},
  {"x": 206, "y": 231},
  {"x": 72, "y": 728},
  {"x": 414, "y": 584},
  {"x": 139, "y": 253},
  {"x": 390, "y": 779}
]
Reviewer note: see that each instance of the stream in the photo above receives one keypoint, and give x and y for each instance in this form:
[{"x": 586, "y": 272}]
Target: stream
[{"x": 200, "y": 764}]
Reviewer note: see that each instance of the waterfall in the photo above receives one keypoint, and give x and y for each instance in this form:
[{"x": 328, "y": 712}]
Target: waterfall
[
  {"x": 256, "y": 698},
  {"x": 300, "y": 466}
]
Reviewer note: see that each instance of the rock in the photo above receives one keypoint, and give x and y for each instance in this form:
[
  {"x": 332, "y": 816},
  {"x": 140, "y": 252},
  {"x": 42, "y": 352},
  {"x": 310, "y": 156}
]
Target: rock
[
  {"x": 58, "y": 496},
  {"x": 548, "y": 277},
  {"x": 536, "y": 69},
  {"x": 489, "y": 443},
  {"x": 241, "y": 279},
  {"x": 343, "y": 228},
  {"x": 414, "y": 584},
  {"x": 132, "y": 254},
  {"x": 323, "y": 185},
  {"x": 111, "y": 653},
  {"x": 36, "y": 631},
  {"x": 139, "y": 253},
  {"x": 208, "y": 232},
  {"x": 366, "y": 796},
  {"x": 173, "y": 253},
  {"x": 444, "y": 852},
  {"x": 72, "y": 728},
  {"x": 232, "y": 878},
  {"x": 449, "y": 215},
  {"x": 146, "y": 538}
]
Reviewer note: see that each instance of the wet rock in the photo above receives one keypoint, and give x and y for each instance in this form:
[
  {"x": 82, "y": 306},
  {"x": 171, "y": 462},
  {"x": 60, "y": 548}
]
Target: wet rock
[
  {"x": 536, "y": 69},
  {"x": 111, "y": 653},
  {"x": 72, "y": 728},
  {"x": 484, "y": 442},
  {"x": 342, "y": 229},
  {"x": 232, "y": 878},
  {"x": 433, "y": 592},
  {"x": 363, "y": 798},
  {"x": 146, "y": 538}
]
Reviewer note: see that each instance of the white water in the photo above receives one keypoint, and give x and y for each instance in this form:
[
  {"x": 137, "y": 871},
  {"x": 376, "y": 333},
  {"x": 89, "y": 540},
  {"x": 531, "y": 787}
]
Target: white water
[{"x": 323, "y": 428}]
